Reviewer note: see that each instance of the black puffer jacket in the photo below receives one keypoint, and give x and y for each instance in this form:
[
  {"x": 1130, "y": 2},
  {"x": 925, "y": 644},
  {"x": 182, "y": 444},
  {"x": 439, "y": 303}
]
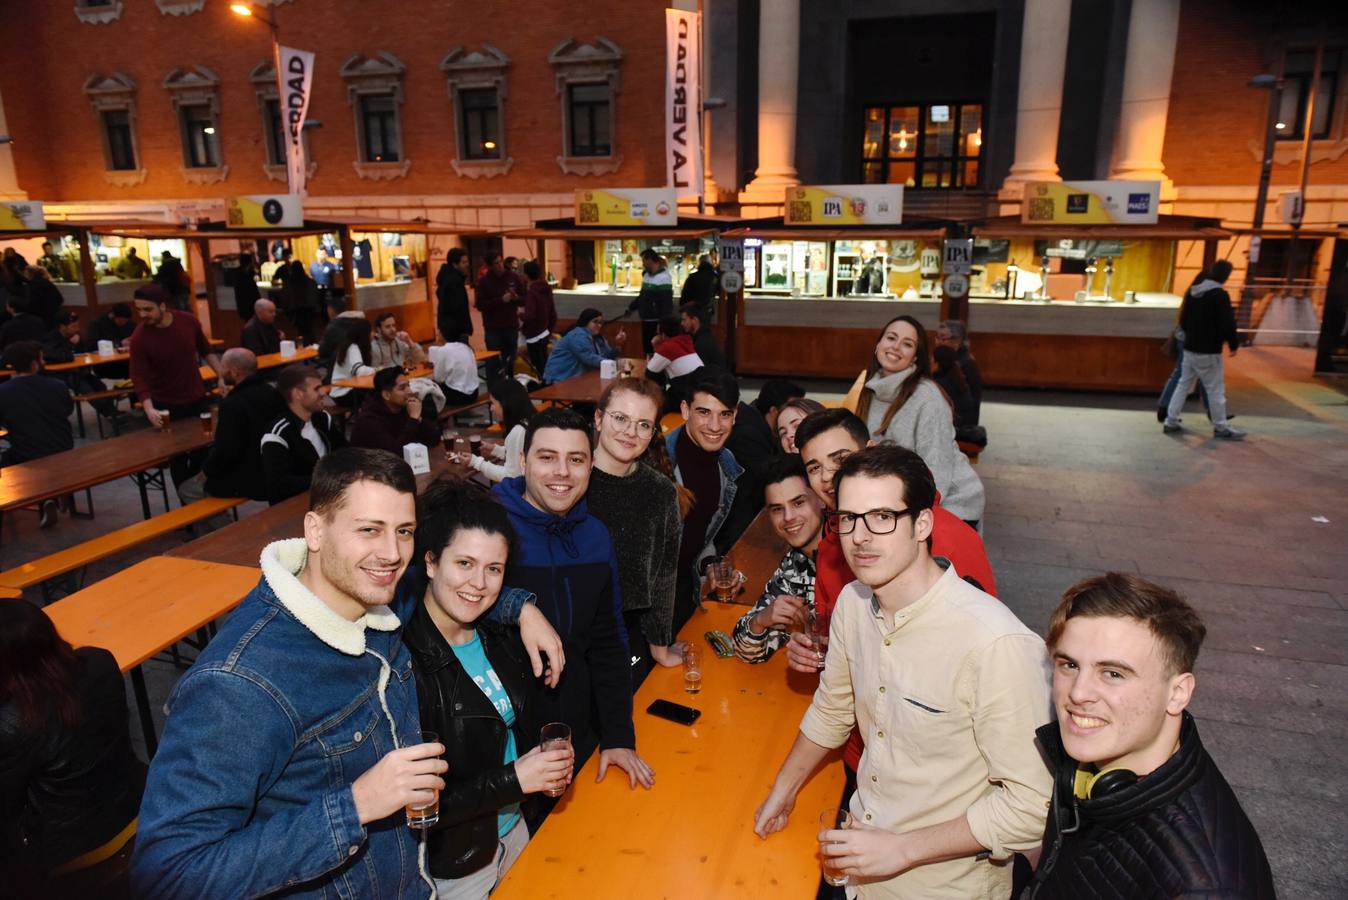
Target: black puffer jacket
[
  {"x": 478, "y": 785},
  {"x": 1177, "y": 833}
]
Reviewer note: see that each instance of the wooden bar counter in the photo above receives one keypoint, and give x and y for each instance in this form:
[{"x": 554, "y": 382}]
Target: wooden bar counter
[{"x": 692, "y": 835}]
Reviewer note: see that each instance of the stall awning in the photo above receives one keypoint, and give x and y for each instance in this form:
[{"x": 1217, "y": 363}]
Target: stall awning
[
  {"x": 1175, "y": 228},
  {"x": 776, "y": 229},
  {"x": 218, "y": 230},
  {"x": 687, "y": 228}
]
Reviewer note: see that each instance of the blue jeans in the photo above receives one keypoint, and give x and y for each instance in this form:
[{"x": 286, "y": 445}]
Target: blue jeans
[{"x": 1164, "y": 402}]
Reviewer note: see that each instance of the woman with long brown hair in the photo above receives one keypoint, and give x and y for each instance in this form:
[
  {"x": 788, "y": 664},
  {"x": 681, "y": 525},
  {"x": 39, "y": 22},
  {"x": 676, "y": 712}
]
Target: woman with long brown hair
[
  {"x": 901, "y": 403},
  {"x": 70, "y": 784}
]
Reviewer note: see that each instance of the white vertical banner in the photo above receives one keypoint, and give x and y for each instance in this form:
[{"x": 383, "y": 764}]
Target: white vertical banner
[
  {"x": 294, "y": 77},
  {"x": 683, "y": 102}
]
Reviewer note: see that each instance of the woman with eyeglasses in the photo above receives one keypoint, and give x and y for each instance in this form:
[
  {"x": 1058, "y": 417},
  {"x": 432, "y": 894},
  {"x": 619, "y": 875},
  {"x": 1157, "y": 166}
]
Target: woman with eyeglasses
[
  {"x": 510, "y": 404},
  {"x": 639, "y": 504}
]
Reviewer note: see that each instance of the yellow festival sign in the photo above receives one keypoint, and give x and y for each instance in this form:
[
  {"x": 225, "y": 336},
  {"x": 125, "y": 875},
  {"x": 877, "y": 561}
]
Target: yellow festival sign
[
  {"x": 635, "y": 206},
  {"x": 1091, "y": 203},
  {"x": 265, "y": 211},
  {"x": 23, "y": 215},
  {"x": 844, "y": 204}
]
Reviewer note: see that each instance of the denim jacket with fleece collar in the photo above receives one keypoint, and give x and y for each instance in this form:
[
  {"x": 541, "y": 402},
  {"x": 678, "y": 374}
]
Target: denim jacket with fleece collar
[
  {"x": 731, "y": 470},
  {"x": 250, "y": 793}
]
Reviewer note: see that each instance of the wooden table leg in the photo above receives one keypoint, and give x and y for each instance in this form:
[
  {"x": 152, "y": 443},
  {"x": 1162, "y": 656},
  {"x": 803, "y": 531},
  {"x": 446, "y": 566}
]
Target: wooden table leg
[{"x": 143, "y": 707}]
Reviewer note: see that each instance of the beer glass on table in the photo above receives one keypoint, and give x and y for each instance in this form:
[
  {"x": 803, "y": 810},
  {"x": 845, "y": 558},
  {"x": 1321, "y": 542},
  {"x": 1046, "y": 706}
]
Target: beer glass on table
[
  {"x": 831, "y": 819},
  {"x": 475, "y": 444},
  {"x": 207, "y": 423},
  {"x": 554, "y": 736},
  {"x": 448, "y": 438},
  {"x": 724, "y": 578},
  {"x": 427, "y": 814},
  {"x": 692, "y": 669},
  {"x": 164, "y": 420}
]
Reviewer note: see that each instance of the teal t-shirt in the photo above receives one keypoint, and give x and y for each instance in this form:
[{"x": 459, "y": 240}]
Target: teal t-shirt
[{"x": 474, "y": 661}]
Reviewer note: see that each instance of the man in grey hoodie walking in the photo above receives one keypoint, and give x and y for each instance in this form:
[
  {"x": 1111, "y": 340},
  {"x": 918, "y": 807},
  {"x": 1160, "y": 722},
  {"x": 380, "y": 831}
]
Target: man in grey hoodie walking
[{"x": 1208, "y": 322}]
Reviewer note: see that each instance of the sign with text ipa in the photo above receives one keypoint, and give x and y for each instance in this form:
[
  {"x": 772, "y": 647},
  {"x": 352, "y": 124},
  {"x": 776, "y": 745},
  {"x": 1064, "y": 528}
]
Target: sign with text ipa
[
  {"x": 1091, "y": 203},
  {"x": 632, "y": 206},
  {"x": 844, "y": 204},
  {"x": 24, "y": 215},
  {"x": 265, "y": 211},
  {"x": 683, "y": 101},
  {"x": 294, "y": 77}
]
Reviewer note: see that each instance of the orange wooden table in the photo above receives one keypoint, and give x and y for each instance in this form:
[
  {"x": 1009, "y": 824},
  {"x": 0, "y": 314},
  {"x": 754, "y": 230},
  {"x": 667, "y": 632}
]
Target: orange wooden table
[
  {"x": 366, "y": 382},
  {"x": 692, "y": 835},
  {"x": 149, "y": 607}
]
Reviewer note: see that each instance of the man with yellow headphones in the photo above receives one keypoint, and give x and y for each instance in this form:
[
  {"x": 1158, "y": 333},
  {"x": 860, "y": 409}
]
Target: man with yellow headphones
[{"x": 1139, "y": 810}]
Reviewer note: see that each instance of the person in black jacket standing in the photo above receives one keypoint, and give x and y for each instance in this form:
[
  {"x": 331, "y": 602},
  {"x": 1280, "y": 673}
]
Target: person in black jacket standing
[
  {"x": 303, "y": 434},
  {"x": 477, "y": 692},
  {"x": 451, "y": 292},
  {"x": 1207, "y": 321},
  {"x": 234, "y": 466},
  {"x": 1139, "y": 809}
]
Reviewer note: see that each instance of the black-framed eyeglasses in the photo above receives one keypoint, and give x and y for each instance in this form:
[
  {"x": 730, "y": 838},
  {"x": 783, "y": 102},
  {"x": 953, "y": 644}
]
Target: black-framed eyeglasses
[
  {"x": 878, "y": 521},
  {"x": 642, "y": 427}
]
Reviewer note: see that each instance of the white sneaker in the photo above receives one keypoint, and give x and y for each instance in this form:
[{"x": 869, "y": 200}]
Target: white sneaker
[{"x": 1228, "y": 434}]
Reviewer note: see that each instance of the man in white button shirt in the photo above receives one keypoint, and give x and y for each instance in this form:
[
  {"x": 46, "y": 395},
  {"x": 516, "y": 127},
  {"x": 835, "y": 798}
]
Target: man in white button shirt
[
  {"x": 947, "y": 687},
  {"x": 454, "y": 368},
  {"x": 301, "y": 437}
]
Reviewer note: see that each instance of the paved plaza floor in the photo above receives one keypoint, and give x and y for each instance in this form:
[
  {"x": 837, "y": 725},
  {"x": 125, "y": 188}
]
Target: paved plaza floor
[{"x": 1079, "y": 484}]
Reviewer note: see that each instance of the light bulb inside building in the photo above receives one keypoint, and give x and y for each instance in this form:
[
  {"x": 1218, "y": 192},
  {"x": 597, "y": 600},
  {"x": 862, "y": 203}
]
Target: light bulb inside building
[
  {"x": 209, "y": 129},
  {"x": 241, "y": 9},
  {"x": 489, "y": 145},
  {"x": 1280, "y": 126}
]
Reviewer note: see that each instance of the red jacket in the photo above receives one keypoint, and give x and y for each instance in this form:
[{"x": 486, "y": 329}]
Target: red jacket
[{"x": 951, "y": 537}]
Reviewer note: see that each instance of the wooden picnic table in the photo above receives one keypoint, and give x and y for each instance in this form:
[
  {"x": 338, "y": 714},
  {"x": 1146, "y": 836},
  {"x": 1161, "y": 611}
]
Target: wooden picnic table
[
  {"x": 757, "y": 553},
  {"x": 83, "y": 467},
  {"x": 584, "y": 388},
  {"x": 366, "y": 382},
  {"x": 146, "y": 608},
  {"x": 692, "y": 834}
]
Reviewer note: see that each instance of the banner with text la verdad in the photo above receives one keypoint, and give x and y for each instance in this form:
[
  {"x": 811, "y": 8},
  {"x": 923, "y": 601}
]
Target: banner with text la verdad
[
  {"x": 683, "y": 102},
  {"x": 294, "y": 77}
]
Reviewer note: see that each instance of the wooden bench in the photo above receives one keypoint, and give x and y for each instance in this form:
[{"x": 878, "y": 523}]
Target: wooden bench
[
  {"x": 113, "y": 394},
  {"x": 454, "y": 411},
  {"x": 42, "y": 571}
]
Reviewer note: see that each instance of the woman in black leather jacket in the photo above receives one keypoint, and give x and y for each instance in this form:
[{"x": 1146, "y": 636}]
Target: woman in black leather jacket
[
  {"x": 70, "y": 784},
  {"x": 477, "y": 692}
]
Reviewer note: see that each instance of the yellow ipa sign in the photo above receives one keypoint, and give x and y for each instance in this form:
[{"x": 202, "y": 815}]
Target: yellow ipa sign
[
  {"x": 266, "y": 211},
  {"x": 24, "y": 215},
  {"x": 635, "y": 206},
  {"x": 1091, "y": 203},
  {"x": 844, "y": 204}
]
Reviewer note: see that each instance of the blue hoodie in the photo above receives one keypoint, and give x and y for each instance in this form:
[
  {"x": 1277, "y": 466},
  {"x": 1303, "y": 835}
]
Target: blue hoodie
[{"x": 569, "y": 564}]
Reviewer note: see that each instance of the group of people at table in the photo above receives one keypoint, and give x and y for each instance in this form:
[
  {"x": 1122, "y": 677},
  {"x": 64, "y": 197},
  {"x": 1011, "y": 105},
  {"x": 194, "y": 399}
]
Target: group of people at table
[{"x": 401, "y": 662}]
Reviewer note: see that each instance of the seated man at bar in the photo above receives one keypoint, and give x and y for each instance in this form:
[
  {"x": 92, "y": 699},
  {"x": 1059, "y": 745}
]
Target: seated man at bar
[
  {"x": 787, "y": 603},
  {"x": 260, "y": 333},
  {"x": 291, "y": 747},
  {"x": 581, "y": 349},
  {"x": 115, "y": 326},
  {"x": 36, "y": 409},
  {"x": 673, "y": 359},
  {"x": 392, "y": 416},
  {"x": 303, "y": 434},
  {"x": 1136, "y": 795},
  {"x": 946, "y": 686},
  {"x": 703, "y": 340},
  {"x": 392, "y": 347},
  {"x": 565, "y": 556},
  {"x": 234, "y": 466},
  {"x": 454, "y": 368}
]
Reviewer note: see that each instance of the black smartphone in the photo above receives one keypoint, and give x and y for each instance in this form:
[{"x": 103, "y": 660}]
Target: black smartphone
[{"x": 674, "y": 712}]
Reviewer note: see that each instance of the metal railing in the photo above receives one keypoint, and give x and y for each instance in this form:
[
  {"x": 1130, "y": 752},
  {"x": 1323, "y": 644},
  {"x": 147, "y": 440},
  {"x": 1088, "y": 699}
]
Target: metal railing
[{"x": 1277, "y": 311}]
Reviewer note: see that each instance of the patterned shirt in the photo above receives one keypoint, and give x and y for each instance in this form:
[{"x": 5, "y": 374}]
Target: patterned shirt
[{"x": 794, "y": 578}]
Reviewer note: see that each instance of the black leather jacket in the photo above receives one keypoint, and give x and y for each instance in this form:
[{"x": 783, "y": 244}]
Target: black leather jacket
[
  {"x": 64, "y": 792},
  {"x": 1178, "y": 832},
  {"x": 477, "y": 785}
]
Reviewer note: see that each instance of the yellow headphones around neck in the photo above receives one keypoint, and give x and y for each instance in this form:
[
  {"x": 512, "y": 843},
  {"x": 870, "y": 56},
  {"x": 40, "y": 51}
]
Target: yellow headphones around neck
[{"x": 1090, "y": 785}]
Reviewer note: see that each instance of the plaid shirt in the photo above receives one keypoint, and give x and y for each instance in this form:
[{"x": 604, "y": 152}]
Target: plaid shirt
[{"x": 794, "y": 578}]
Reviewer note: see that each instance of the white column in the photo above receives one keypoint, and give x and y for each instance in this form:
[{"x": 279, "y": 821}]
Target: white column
[
  {"x": 1043, "y": 61},
  {"x": 1153, "y": 30},
  {"x": 9, "y": 177},
  {"x": 778, "y": 64}
]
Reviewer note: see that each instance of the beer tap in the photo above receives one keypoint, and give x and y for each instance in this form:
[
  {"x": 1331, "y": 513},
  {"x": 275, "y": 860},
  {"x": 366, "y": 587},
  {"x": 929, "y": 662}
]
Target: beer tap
[
  {"x": 1090, "y": 275},
  {"x": 1043, "y": 279},
  {"x": 1109, "y": 275}
]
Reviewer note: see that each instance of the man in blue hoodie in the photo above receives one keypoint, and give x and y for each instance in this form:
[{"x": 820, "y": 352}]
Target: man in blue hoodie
[{"x": 565, "y": 557}]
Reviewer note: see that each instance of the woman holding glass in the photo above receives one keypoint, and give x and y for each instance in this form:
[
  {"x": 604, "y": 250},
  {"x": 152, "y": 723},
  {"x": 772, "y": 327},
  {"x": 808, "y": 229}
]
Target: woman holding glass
[
  {"x": 477, "y": 692},
  {"x": 510, "y": 404},
  {"x": 901, "y": 403}
]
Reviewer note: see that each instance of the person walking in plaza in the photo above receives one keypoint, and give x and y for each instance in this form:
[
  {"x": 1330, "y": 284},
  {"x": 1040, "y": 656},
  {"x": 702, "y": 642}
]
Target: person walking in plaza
[
  {"x": 511, "y": 406},
  {"x": 499, "y": 295},
  {"x": 251, "y": 405},
  {"x": 946, "y": 686},
  {"x": 1208, "y": 322},
  {"x": 392, "y": 416},
  {"x": 901, "y": 403},
  {"x": 655, "y": 300},
  {"x": 71, "y": 781},
  {"x": 787, "y": 603},
  {"x": 391, "y": 346},
  {"x": 1135, "y": 793},
  {"x": 640, "y": 507},
  {"x": 291, "y": 747},
  {"x": 566, "y": 558},
  {"x": 246, "y": 292},
  {"x": 303, "y": 434},
  {"x": 539, "y": 320},
  {"x": 582, "y": 349},
  {"x": 260, "y": 333},
  {"x": 700, "y": 286},
  {"x": 452, "y": 317}
]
